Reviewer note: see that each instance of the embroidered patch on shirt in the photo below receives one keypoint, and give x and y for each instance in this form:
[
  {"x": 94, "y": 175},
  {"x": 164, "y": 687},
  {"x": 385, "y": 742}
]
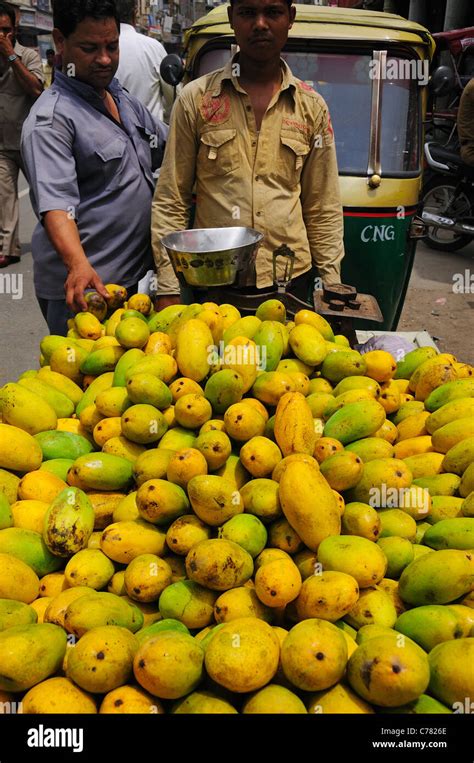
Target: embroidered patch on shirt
[
  {"x": 300, "y": 126},
  {"x": 215, "y": 109},
  {"x": 305, "y": 86}
]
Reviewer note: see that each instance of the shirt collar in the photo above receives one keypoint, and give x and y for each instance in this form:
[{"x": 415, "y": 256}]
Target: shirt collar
[
  {"x": 127, "y": 29},
  {"x": 84, "y": 90},
  {"x": 288, "y": 80}
]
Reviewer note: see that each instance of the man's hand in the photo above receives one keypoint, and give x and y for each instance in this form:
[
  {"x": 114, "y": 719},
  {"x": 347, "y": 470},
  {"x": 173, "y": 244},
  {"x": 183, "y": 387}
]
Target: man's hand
[
  {"x": 79, "y": 279},
  {"x": 166, "y": 301},
  {"x": 6, "y": 44}
]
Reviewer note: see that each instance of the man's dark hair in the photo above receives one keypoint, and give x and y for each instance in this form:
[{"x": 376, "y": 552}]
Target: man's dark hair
[
  {"x": 7, "y": 10},
  {"x": 126, "y": 10},
  {"x": 67, "y": 14},
  {"x": 50, "y": 52}
]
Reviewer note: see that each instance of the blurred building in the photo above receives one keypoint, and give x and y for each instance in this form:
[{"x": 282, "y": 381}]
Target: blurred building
[{"x": 35, "y": 24}]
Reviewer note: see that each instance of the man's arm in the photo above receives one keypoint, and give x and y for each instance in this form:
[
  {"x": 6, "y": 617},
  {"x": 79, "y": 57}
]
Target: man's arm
[
  {"x": 51, "y": 171},
  {"x": 29, "y": 77},
  {"x": 171, "y": 205},
  {"x": 321, "y": 203}
]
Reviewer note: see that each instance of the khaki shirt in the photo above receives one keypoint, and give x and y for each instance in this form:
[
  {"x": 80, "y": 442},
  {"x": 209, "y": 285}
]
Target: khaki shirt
[
  {"x": 466, "y": 123},
  {"x": 15, "y": 103},
  {"x": 282, "y": 181}
]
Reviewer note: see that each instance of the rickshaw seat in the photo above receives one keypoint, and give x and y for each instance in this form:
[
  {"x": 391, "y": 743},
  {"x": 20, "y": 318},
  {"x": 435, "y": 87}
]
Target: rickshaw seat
[{"x": 441, "y": 154}]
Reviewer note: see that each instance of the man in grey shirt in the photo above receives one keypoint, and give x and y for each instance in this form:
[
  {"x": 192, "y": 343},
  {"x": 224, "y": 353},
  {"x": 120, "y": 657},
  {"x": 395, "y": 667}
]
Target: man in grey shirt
[
  {"x": 21, "y": 82},
  {"x": 88, "y": 148}
]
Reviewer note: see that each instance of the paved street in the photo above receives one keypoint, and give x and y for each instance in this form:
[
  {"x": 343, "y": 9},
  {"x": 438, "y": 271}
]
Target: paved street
[{"x": 431, "y": 303}]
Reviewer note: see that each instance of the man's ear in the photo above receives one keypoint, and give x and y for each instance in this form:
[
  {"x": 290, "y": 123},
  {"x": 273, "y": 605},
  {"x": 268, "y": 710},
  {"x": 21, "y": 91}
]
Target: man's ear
[
  {"x": 292, "y": 10},
  {"x": 229, "y": 14},
  {"x": 58, "y": 38}
]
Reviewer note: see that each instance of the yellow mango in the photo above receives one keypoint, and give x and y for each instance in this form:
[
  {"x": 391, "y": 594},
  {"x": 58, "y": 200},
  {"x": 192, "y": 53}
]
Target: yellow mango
[
  {"x": 434, "y": 377},
  {"x": 40, "y": 486},
  {"x": 123, "y": 541},
  {"x": 294, "y": 428},
  {"x": 193, "y": 344},
  {"x": 327, "y": 596},
  {"x": 58, "y": 695},
  {"x": 449, "y": 435},
  {"x": 413, "y": 426},
  {"x": 24, "y": 409},
  {"x": 29, "y": 514},
  {"x": 412, "y": 446},
  {"x": 17, "y": 580},
  {"x": 339, "y": 699},
  {"x": 424, "y": 464},
  {"x": 106, "y": 429}
]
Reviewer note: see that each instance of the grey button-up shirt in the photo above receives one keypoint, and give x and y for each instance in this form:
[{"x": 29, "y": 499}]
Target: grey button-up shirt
[
  {"x": 15, "y": 102},
  {"x": 80, "y": 160}
]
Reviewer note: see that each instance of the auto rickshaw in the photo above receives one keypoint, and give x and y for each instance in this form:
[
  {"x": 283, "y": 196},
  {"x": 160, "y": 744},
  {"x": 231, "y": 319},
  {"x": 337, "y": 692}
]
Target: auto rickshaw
[{"x": 372, "y": 70}]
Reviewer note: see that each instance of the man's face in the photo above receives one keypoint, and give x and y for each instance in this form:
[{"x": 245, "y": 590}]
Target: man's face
[
  {"x": 50, "y": 59},
  {"x": 261, "y": 27},
  {"x": 92, "y": 50},
  {"x": 6, "y": 28}
]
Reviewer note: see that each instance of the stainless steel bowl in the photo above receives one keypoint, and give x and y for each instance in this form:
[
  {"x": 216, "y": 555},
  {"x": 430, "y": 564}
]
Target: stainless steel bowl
[{"x": 212, "y": 256}]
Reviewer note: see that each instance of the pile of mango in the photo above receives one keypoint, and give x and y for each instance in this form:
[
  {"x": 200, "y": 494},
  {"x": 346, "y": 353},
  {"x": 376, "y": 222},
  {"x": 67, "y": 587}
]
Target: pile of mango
[{"x": 208, "y": 513}]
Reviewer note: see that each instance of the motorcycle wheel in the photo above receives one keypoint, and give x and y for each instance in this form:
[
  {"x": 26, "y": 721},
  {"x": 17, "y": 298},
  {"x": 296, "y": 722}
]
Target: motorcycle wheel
[{"x": 439, "y": 198}]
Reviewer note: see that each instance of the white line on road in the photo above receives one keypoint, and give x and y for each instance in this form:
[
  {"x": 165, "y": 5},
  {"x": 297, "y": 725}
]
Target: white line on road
[{"x": 23, "y": 193}]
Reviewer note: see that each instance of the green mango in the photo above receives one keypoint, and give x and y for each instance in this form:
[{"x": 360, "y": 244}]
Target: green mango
[
  {"x": 188, "y": 602},
  {"x": 161, "y": 365},
  {"x": 459, "y": 457},
  {"x": 448, "y": 392},
  {"x": 371, "y": 448},
  {"x": 188, "y": 313},
  {"x": 439, "y": 484},
  {"x": 26, "y": 410},
  {"x": 51, "y": 342},
  {"x": 451, "y": 669},
  {"x": 61, "y": 383},
  {"x": 406, "y": 410},
  {"x": 133, "y": 314},
  {"x": 101, "y": 361},
  {"x": 161, "y": 321},
  {"x": 355, "y": 421},
  {"x": 169, "y": 624},
  {"x": 58, "y": 444},
  {"x": 69, "y": 522},
  {"x": 247, "y": 326},
  {"x": 271, "y": 310},
  {"x": 424, "y": 705},
  {"x": 143, "y": 424},
  {"x": 269, "y": 340},
  {"x": 399, "y": 553},
  {"x": 100, "y": 384},
  {"x": 29, "y": 654},
  {"x": 338, "y": 365},
  {"x": 467, "y": 481},
  {"x": 397, "y": 523},
  {"x": 9, "y": 485},
  {"x": 30, "y": 548},
  {"x": 223, "y": 389},
  {"x": 247, "y": 531},
  {"x": 58, "y": 466},
  {"x": 125, "y": 363},
  {"x": 444, "y": 507},
  {"x": 411, "y": 361},
  {"x": 102, "y": 471},
  {"x": 6, "y": 516},
  {"x": 428, "y": 625},
  {"x": 177, "y": 438},
  {"x": 99, "y": 609},
  {"x": 437, "y": 578},
  {"x": 147, "y": 389},
  {"x": 451, "y": 533},
  {"x": 357, "y": 382},
  {"x": 14, "y": 613},
  {"x": 62, "y": 405}
]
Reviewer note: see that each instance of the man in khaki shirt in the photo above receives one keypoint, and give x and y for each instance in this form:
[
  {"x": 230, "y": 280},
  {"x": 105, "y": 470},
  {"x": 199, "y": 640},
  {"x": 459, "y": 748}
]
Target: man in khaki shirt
[
  {"x": 257, "y": 144},
  {"x": 21, "y": 82},
  {"x": 466, "y": 123}
]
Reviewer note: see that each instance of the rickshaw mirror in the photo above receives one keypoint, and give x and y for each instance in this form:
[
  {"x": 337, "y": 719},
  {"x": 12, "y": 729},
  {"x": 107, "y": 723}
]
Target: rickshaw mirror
[
  {"x": 172, "y": 69},
  {"x": 442, "y": 80}
]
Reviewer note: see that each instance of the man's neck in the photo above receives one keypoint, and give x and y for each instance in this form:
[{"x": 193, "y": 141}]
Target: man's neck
[{"x": 259, "y": 73}]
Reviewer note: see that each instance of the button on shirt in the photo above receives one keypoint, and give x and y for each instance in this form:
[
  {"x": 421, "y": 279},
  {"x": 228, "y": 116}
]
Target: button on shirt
[
  {"x": 80, "y": 160},
  {"x": 282, "y": 181},
  {"x": 15, "y": 103}
]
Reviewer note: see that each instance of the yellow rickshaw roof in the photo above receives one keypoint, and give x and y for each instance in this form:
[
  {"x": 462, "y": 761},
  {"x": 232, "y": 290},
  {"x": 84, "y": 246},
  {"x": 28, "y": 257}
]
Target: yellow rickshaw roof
[{"x": 332, "y": 24}]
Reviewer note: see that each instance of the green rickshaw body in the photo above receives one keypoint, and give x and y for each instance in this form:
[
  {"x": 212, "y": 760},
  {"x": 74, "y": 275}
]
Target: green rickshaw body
[{"x": 372, "y": 70}]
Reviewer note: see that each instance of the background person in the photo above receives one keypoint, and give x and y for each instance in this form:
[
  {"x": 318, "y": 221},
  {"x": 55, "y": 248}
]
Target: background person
[
  {"x": 21, "y": 82},
  {"x": 258, "y": 144},
  {"x": 139, "y": 67},
  {"x": 87, "y": 147},
  {"x": 48, "y": 68}
]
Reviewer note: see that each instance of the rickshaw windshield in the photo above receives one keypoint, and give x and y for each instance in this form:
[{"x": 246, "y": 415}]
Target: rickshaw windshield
[{"x": 344, "y": 81}]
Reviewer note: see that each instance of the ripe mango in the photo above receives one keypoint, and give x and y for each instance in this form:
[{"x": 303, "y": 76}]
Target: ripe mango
[
  {"x": 61, "y": 383},
  {"x": 6, "y": 515},
  {"x": 207, "y": 564},
  {"x": 152, "y": 464},
  {"x": 437, "y": 578},
  {"x": 123, "y": 541},
  {"x": 355, "y": 421},
  {"x": 361, "y": 519},
  {"x": 247, "y": 531},
  {"x": 270, "y": 341},
  {"x": 161, "y": 502},
  {"x": 101, "y": 609},
  {"x": 308, "y": 504},
  {"x": 466, "y": 485},
  {"x": 278, "y": 583},
  {"x": 384, "y": 674},
  {"x": 449, "y": 435},
  {"x": 328, "y": 596},
  {"x": 373, "y": 607},
  {"x": 149, "y": 390},
  {"x": 162, "y": 320},
  {"x": 370, "y": 448},
  {"x": 355, "y": 556},
  {"x": 338, "y": 365},
  {"x": 62, "y": 405},
  {"x": 260, "y": 498},
  {"x": 397, "y": 523},
  {"x": 214, "y": 499},
  {"x": 102, "y": 660},
  {"x": 342, "y": 470},
  {"x": 460, "y": 408},
  {"x": 305, "y": 641},
  {"x": 458, "y": 458},
  {"x": 452, "y": 672},
  {"x": 412, "y": 360},
  {"x": 188, "y": 602},
  {"x": 193, "y": 345},
  {"x": 379, "y": 477},
  {"x": 26, "y": 410},
  {"x": 338, "y": 699},
  {"x": 433, "y": 377},
  {"x": 69, "y": 522},
  {"x": 270, "y": 386},
  {"x": 18, "y": 581},
  {"x": 428, "y": 625},
  {"x": 57, "y": 695},
  {"x": 130, "y": 699},
  {"x": 294, "y": 428},
  {"x": 223, "y": 389},
  {"x": 169, "y": 665},
  {"x": 89, "y": 567},
  {"x": 29, "y": 515},
  {"x": 444, "y": 507},
  {"x": 260, "y": 456},
  {"x": 29, "y": 547},
  {"x": 274, "y": 699},
  {"x": 177, "y": 438},
  {"x": 399, "y": 553},
  {"x": 100, "y": 384},
  {"x": 184, "y": 532},
  {"x": 317, "y": 321},
  {"x": 58, "y": 605},
  {"x": 29, "y": 654}
]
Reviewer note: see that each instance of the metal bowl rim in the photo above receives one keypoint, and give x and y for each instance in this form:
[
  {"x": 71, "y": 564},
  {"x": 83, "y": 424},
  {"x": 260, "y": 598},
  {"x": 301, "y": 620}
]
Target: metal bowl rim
[{"x": 258, "y": 236}]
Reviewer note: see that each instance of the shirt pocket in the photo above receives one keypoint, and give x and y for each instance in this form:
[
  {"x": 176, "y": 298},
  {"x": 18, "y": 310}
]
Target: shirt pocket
[
  {"x": 112, "y": 162},
  {"x": 218, "y": 152},
  {"x": 293, "y": 153}
]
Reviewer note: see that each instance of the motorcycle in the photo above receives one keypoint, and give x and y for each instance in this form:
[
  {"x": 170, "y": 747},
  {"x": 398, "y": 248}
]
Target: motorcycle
[{"x": 448, "y": 199}]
